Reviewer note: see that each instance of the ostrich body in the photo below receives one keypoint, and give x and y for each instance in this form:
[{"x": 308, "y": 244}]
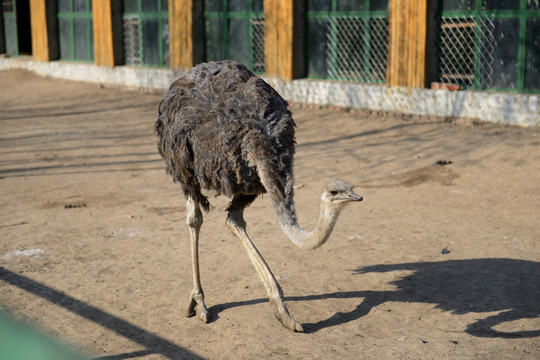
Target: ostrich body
[{"x": 223, "y": 129}]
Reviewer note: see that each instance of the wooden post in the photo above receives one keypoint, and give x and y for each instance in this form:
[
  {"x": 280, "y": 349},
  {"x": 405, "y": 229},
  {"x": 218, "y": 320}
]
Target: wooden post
[
  {"x": 107, "y": 32},
  {"x": 185, "y": 33},
  {"x": 282, "y": 38},
  {"x": 40, "y": 33},
  {"x": 407, "y": 43}
]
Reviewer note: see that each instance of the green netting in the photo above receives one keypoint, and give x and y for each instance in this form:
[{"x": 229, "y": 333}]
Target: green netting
[{"x": 20, "y": 342}]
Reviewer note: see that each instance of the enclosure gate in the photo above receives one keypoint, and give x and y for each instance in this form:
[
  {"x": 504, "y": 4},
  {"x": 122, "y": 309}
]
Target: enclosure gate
[
  {"x": 234, "y": 30},
  {"x": 347, "y": 40},
  {"x": 146, "y": 33},
  {"x": 76, "y": 30},
  {"x": 489, "y": 44}
]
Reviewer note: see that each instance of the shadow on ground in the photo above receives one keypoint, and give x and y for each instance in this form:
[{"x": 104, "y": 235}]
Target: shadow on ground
[
  {"x": 511, "y": 287},
  {"x": 153, "y": 343}
]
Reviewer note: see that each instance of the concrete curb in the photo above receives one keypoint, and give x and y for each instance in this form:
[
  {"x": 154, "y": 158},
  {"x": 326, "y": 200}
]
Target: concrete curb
[{"x": 496, "y": 107}]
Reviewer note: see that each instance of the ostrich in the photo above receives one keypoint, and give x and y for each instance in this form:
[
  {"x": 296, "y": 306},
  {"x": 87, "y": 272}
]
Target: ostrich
[{"x": 223, "y": 129}]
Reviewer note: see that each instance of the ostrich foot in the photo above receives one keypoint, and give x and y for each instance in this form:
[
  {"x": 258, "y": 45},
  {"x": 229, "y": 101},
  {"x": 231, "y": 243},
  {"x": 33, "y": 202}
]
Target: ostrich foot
[
  {"x": 197, "y": 307},
  {"x": 282, "y": 314}
]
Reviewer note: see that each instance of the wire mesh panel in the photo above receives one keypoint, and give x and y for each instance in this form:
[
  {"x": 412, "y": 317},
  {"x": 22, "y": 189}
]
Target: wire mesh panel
[
  {"x": 532, "y": 53},
  {"x": 347, "y": 40},
  {"x": 489, "y": 44},
  {"x": 466, "y": 51},
  {"x": 146, "y": 32},
  {"x": 257, "y": 36},
  {"x": 357, "y": 48},
  {"x": 132, "y": 40},
  {"x": 234, "y": 30}
]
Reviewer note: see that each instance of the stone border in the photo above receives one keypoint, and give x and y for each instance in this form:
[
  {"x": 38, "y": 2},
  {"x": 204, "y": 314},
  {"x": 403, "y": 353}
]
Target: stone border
[
  {"x": 132, "y": 77},
  {"x": 496, "y": 107}
]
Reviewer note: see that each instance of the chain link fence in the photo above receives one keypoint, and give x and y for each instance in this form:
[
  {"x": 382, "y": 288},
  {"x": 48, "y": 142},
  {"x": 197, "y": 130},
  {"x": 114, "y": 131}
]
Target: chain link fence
[
  {"x": 257, "y": 38},
  {"x": 357, "y": 48},
  {"x": 465, "y": 51},
  {"x": 132, "y": 40}
]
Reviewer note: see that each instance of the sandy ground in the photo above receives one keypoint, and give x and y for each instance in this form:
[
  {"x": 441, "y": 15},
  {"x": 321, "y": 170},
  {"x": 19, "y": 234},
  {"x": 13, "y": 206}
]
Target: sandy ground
[{"x": 440, "y": 261}]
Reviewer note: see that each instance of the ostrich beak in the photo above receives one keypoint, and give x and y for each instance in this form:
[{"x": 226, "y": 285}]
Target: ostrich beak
[
  {"x": 354, "y": 197},
  {"x": 350, "y": 197}
]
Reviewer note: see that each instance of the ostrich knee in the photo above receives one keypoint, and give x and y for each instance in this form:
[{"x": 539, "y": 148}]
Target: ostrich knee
[{"x": 194, "y": 218}]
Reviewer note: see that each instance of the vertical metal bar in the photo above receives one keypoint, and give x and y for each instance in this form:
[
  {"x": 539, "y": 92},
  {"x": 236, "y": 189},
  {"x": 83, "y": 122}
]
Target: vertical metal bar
[
  {"x": 250, "y": 33},
  {"x": 478, "y": 26},
  {"x": 160, "y": 34},
  {"x": 333, "y": 70},
  {"x": 72, "y": 29},
  {"x": 141, "y": 32},
  {"x": 16, "y": 42},
  {"x": 522, "y": 45},
  {"x": 367, "y": 42},
  {"x": 89, "y": 29},
  {"x": 332, "y": 63},
  {"x": 225, "y": 17}
]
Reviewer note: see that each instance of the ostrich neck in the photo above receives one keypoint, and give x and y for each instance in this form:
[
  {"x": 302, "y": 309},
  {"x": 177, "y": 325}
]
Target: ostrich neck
[
  {"x": 309, "y": 239},
  {"x": 282, "y": 197}
]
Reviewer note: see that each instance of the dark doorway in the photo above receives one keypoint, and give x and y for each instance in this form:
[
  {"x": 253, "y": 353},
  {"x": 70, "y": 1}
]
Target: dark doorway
[{"x": 24, "y": 30}]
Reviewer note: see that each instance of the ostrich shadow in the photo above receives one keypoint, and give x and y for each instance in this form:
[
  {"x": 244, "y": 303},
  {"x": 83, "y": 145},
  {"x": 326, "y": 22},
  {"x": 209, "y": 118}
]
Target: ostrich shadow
[{"x": 509, "y": 286}]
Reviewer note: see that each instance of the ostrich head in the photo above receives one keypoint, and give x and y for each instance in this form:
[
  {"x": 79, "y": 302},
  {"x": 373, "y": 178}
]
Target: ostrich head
[{"x": 337, "y": 194}]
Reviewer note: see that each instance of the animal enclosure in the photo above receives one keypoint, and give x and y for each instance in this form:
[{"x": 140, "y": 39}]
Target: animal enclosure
[
  {"x": 474, "y": 44},
  {"x": 112, "y": 277}
]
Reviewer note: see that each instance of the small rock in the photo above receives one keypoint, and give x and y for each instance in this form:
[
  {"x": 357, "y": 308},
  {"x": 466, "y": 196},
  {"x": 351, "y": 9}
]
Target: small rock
[
  {"x": 443, "y": 162},
  {"x": 73, "y": 206}
]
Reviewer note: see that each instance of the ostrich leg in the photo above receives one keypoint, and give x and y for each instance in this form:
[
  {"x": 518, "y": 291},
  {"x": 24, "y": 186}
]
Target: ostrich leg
[
  {"x": 236, "y": 224},
  {"x": 196, "y": 299}
]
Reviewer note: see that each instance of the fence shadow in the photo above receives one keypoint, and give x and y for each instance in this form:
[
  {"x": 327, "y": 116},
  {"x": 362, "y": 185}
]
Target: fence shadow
[{"x": 153, "y": 343}]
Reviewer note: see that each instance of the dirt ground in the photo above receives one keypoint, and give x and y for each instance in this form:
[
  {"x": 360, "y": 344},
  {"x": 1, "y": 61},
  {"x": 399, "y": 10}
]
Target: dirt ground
[{"x": 440, "y": 261}]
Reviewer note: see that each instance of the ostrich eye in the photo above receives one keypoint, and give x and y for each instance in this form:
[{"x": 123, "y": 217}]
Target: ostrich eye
[{"x": 333, "y": 192}]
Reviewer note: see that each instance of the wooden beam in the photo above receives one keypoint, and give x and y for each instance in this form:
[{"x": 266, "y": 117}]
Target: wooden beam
[
  {"x": 39, "y": 28},
  {"x": 279, "y": 42},
  {"x": 180, "y": 37},
  {"x": 103, "y": 33},
  {"x": 407, "y": 43},
  {"x": 185, "y": 33}
]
